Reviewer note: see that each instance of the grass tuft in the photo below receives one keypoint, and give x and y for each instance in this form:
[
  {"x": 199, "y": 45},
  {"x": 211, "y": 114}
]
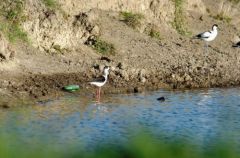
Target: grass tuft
[
  {"x": 155, "y": 34},
  {"x": 132, "y": 19},
  {"x": 103, "y": 47},
  {"x": 179, "y": 21},
  {"x": 12, "y": 13},
  {"x": 235, "y": 1},
  {"x": 223, "y": 17},
  {"x": 50, "y": 3}
]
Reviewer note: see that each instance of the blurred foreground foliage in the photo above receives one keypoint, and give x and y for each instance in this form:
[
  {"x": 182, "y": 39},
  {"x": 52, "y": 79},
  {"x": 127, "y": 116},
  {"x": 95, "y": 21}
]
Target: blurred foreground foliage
[{"x": 139, "y": 147}]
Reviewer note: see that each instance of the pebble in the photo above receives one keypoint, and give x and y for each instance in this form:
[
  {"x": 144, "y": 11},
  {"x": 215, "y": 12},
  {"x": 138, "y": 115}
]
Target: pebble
[{"x": 162, "y": 99}]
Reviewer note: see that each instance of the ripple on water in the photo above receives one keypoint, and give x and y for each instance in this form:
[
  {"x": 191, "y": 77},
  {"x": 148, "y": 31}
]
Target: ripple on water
[{"x": 197, "y": 115}]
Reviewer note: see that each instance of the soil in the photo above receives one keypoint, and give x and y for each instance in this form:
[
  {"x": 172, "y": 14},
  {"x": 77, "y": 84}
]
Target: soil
[{"x": 141, "y": 62}]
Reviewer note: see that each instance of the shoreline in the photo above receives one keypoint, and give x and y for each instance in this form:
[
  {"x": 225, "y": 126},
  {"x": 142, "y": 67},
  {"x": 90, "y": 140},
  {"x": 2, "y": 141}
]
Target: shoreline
[{"x": 44, "y": 87}]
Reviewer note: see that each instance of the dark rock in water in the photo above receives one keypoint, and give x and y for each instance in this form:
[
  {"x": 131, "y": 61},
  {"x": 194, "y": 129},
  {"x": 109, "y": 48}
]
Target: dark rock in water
[
  {"x": 137, "y": 90},
  {"x": 162, "y": 99}
]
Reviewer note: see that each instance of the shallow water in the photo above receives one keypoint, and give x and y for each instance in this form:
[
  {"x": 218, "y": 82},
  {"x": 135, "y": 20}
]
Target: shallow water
[{"x": 199, "y": 116}]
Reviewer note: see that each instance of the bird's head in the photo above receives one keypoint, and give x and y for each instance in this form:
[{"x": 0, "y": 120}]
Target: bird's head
[
  {"x": 215, "y": 27},
  {"x": 106, "y": 70}
]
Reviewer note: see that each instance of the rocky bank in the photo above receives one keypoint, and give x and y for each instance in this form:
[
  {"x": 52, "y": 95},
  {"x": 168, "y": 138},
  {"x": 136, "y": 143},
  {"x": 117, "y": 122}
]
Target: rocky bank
[{"x": 60, "y": 50}]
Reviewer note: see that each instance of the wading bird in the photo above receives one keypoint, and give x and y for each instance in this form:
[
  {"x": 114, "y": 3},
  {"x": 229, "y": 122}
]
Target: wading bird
[
  {"x": 99, "y": 82},
  {"x": 208, "y": 35}
]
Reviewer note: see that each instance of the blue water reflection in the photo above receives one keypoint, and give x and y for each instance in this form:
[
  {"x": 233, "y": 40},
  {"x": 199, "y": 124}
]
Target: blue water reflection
[{"x": 198, "y": 116}]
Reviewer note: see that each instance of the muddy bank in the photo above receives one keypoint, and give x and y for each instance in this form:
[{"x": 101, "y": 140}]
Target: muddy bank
[{"x": 47, "y": 86}]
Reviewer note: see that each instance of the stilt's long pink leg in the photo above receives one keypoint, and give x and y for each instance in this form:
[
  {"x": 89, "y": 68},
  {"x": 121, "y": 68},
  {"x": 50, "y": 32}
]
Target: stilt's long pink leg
[
  {"x": 96, "y": 95},
  {"x": 99, "y": 93}
]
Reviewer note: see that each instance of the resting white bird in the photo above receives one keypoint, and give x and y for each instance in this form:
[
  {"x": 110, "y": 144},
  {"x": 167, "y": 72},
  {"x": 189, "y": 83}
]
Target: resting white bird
[{"x": 208, "y": 35}]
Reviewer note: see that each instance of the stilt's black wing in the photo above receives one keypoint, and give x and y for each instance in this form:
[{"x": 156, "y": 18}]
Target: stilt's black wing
[
  {"x": 203, "y": 35},
  {"x": 99, "y": 79}
]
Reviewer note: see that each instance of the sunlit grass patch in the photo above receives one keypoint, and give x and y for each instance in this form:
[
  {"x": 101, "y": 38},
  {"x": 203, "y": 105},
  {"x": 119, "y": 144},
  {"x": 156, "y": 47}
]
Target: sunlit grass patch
[
  {"x": 103, "y": 47},
  {"x": 10, "y": 24},
  {"x": 222, "y": 17},
  {"x": 155, "y": 34},
  {"x": 235, "y": 1},
  {"x": 179, "y": 22},
  {"x": 132, "y": 19},
  {"x": 50, "y": 3}
]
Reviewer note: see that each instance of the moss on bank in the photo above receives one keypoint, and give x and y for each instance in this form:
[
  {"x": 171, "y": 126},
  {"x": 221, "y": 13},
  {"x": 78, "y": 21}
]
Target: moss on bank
[
  {"x": 132, "y": 19},
  {"x": 179, "y": 22},
  {"x": 11, "y": 16},
  {"x": 222, "y": 17},
  {"x": 103, "y": 47},
  {"x": 50, "y": 3},
  {"x": 235, "y": 1}
]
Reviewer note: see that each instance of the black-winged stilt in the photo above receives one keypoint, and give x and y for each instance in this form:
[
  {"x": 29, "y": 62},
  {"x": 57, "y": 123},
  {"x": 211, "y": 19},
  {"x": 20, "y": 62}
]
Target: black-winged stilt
[
  {"x": 99, "y": 82},
  {"x": 208, "y": 35}
]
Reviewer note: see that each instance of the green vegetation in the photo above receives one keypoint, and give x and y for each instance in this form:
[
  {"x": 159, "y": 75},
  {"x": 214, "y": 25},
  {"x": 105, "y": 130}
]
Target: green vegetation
[
  {"x": 12, "y": 13},
  {"x": 140, "y": 147},
  {"x": 222, "y": 17},
  {"x": 155, "y": 34},
  {"x": 235, "y": 1},
  {"x": 53, "y": 5},
  {"x": 50, "y": 3},
  {"x": 103, "y": 47},
  {"x": 179, "y": 21},
  {"x": 132, "y": 19}
]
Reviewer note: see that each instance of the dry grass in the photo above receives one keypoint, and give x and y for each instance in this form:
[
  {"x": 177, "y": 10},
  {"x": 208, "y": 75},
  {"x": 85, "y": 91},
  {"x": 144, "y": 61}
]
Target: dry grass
[
  {"x": 12, "y": 16},
  {"x": 132, "y": 19}
]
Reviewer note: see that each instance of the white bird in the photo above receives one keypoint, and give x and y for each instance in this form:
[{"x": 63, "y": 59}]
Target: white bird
[
  {"x": 208, "y": 35},
  {"x": 237, "y": 45},
  {"x": 99, "y": 82}
]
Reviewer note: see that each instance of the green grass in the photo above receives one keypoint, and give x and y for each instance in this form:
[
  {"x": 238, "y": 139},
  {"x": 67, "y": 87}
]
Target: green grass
[
  {"x": 179, "y": 22},
  {"x": 155, "y": 34},
  {"x": 235, "y": 1},
  {"x": 12, "y": 16},
  {"x": 222, "y": 17},
  {"x": 50, "y": 3},
  {"x": 132, "y": 19},
  {"x": 103, "y": 47}
]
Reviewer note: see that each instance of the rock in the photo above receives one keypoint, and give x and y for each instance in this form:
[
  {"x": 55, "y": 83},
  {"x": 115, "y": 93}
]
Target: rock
[
  {"x": 124, "y": 75},
  {"x": 95, "y": 30},
  {"x": 5, "y": 52},
  {"x": 162, "y": 99},
  {"x": 105, "y": 59},
  {"x": 101, "y": 67},
  {"x": 121, "y": 66},
  {"x": 143, "y": 79},
  {"x": 5, "y": 105},
  {"x": 187, "y": 78},
  {"x": 137, "y": 89},
  {"x": 142, "y": 72}
]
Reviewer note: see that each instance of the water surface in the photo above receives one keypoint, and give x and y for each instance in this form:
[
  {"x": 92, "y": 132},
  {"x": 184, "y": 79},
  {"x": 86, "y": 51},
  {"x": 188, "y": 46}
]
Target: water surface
[{"x": 199, "y": 116}]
